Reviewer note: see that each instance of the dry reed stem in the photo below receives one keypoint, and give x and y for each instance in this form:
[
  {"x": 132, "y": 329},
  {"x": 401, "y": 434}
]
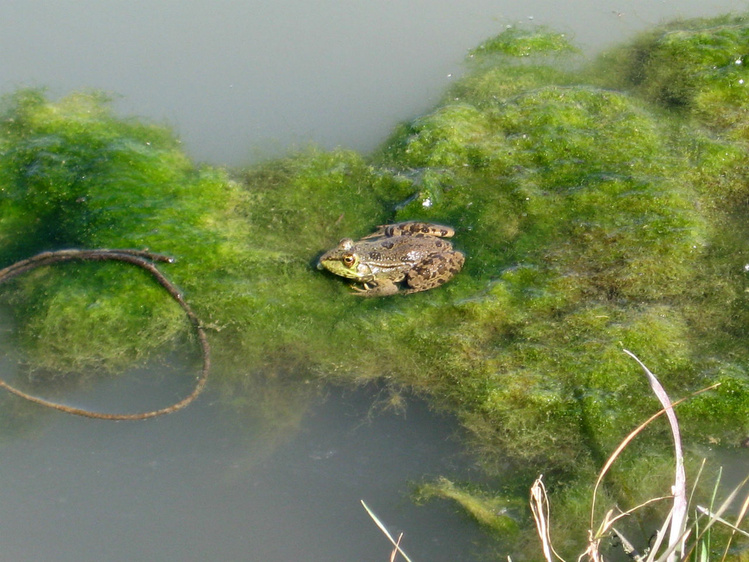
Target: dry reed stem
[
  {"x": 679, "y": 489},
  {"x": 379, "y": 523},
  {"x": 540, "y": 510},
  {"x": 628, "y": 439}
]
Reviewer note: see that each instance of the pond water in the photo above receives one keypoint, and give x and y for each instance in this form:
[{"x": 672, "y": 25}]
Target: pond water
[
  {"x": 241, "y": 81},
  {"x": 210, "y": 483}
]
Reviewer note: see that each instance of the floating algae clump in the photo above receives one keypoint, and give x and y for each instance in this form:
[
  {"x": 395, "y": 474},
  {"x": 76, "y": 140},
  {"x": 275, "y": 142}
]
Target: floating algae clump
[
  {"x": 519, "y": 42},
  {"x": 73, "y": 175},
  {"x": 697, "y": 67},
  {"x": 590, "y": 225},
  {"x": 579, "y": 243}
]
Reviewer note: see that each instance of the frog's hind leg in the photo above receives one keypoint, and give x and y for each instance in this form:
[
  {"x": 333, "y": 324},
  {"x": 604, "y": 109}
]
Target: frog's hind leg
[{"x": 434, "y": 271}]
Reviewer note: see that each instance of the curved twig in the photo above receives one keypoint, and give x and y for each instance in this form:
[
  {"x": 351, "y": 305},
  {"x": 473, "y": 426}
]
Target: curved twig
[{"x": 142, "y": 259}]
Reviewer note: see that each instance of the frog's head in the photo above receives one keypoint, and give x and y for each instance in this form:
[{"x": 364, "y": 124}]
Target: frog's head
[{"x": 343, "y": 260}]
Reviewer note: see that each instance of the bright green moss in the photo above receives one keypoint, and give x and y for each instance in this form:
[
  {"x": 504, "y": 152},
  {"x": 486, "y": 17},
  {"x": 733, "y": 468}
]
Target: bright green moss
[
  {"x": 591, "y": 226},
  {"x": 110, "y": 312},
  {"x": 317, "y": 196},
  {"x": 519, "y": 42},
  {"x": 695, "y": 66},
  {"x": 583, "y": 245},
  {"x": 74, "y": 175},
  {"x": 492, "y": 85}
]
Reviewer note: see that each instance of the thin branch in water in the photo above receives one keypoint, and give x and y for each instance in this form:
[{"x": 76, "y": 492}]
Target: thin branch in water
[{"x": 139, "y": 258}]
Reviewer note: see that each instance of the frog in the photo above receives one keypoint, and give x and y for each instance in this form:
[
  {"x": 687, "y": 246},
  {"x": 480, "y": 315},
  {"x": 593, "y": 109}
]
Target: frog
[{"x": 400, "y": 258}]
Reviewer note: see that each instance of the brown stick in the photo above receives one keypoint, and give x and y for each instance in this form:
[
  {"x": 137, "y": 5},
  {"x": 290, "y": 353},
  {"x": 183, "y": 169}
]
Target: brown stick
[{"x": 143, "y": 260}]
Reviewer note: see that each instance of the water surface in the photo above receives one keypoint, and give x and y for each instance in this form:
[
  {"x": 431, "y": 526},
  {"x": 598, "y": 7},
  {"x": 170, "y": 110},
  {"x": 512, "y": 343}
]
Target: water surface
[
  {"x": 210, "y": 483},
  {"x": 240, "y": 80}
]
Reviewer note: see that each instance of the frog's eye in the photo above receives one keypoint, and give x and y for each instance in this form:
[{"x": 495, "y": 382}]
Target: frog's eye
[{"x": 348, "y": 260}]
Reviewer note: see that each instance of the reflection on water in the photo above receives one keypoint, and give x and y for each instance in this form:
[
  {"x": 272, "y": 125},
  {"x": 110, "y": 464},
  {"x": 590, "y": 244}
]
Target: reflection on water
[{"x": 207, "y": 483}]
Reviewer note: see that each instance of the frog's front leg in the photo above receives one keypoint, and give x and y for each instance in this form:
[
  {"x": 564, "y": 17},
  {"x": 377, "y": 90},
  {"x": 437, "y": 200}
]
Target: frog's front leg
[
  {"x": 434, "y": 271},
  {"x": 379, "y": 288}
]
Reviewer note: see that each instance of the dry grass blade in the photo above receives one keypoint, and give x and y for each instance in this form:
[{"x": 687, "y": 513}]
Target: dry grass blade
[
  {"x": 540, "y": 510},
  {"x": 628, "y": 439},
  {"x": 744, "y": 509},
  {"x": 394, "y": 554},
  {"x": 739, "y": 519},
  {"x": 594, "y": 539},
  {"x": 713, "y": 518},
  {"x": 659, "y": 537},
  {"x": 377, "y": 521},
  {"x": 608, "y": 525},
  {"x": 742, "y": 513},
  {"x": 709, "y": 513},
  {"x": 679, "y": 489},
  {"x": 610, "y": 521},
  {"x": 697, "y": 480}
]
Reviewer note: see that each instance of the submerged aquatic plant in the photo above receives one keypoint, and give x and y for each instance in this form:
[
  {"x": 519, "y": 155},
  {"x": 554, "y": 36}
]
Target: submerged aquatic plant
[{"x": 488, "y": 509}]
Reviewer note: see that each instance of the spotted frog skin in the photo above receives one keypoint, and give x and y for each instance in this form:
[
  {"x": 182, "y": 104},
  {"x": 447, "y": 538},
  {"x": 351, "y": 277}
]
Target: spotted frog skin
[{"x": 400, "y": 258}]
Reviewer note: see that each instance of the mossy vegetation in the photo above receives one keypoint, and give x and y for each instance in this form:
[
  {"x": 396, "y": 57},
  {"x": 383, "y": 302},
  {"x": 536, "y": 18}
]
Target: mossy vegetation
[
  {"x": 695, "y": 67},
  {"x": 488, "y": 510},
  {"x": 599, "y": 209},
  {"x": 74, "y": 175}
]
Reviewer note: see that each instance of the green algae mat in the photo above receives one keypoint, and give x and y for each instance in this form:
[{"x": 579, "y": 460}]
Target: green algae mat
[{"x": 600, "y": 205}]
